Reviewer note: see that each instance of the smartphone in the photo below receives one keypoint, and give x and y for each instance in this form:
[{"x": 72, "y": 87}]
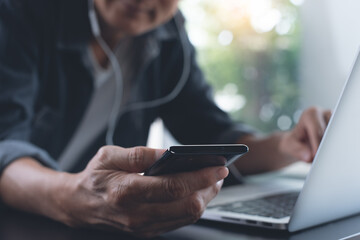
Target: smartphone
[{"x": 187, "y": 158}]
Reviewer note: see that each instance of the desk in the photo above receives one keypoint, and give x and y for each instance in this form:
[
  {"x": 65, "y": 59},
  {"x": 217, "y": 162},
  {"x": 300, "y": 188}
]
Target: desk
[{"x": 16, "y": 225}]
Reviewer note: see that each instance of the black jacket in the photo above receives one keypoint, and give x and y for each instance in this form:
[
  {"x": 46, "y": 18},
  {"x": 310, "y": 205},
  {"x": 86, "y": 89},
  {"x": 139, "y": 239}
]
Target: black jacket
[{"x": 46, "y": 85}]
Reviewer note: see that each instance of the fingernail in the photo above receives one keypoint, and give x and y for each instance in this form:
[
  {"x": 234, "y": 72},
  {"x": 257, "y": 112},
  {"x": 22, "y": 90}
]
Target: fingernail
[{"x": 222, "y": 173}]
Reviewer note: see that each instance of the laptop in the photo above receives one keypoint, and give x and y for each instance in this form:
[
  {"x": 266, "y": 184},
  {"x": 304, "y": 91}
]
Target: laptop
[{"x": 330, "y": 191}]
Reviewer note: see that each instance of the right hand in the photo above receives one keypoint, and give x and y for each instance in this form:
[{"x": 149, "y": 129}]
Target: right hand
[{"x": 111, "y": 194}]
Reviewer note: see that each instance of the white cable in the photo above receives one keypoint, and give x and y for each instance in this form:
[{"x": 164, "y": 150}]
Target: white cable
[
  {"x": 116, "y": 113},
  {"x": 182, "y": 80},
  {"x": 117, "y": 73},
  {"x": 118, "y": 92}
]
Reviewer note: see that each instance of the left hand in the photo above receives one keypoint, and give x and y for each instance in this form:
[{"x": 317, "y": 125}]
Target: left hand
[{"x": 303, "y": 140}]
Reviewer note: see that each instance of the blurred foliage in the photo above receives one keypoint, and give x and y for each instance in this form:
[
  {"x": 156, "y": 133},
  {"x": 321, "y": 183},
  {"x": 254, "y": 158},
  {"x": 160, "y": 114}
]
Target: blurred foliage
[{"x": 249, "y": 50}]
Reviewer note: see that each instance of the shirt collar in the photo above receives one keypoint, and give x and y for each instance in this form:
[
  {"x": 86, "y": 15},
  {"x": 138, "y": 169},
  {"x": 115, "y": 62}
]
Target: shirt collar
[
  {"x": 165, "y": 32},
  {"x": 169, "y": 30}
]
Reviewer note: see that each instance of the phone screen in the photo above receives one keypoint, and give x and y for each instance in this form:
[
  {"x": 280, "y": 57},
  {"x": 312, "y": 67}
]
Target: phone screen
[{"x": 194, "y": 157}]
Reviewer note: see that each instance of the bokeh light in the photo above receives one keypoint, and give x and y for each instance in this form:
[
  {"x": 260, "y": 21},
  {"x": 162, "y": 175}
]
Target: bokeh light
[{"x": 248, "y": 50}]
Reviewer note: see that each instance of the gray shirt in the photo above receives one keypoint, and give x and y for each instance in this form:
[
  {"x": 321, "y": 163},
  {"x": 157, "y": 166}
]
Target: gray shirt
[{"x": 99, "y": 109}]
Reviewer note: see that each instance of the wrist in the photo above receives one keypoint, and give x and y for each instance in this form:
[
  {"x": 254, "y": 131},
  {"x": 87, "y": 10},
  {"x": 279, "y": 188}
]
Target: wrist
[
  {"x": 27, "y": 185},
  {"x": 265, "y": 153},
  {"x": 65, "y": 198}
]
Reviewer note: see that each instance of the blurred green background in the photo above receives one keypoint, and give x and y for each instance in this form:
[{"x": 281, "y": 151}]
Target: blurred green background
[{"x": 248, "y": 50}]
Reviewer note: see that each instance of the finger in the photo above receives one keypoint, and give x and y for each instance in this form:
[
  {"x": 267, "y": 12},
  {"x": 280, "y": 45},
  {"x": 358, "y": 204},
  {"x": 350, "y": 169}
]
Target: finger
[
  {"x": 209, "y": 193},
  {"x": 174, "y": 187},
  {"x": 300, "y": 151},
  {"x": 327, "y": 116},
  {"x": 315, "y": 126},
  {"x": 134, "y": 160},
  {"x": 164, "y": 217},
  {"x": 190, "y": 207}
]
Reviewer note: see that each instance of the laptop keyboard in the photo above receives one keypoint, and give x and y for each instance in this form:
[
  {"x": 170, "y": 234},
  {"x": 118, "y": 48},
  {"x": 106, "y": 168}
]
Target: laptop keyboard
[{"x": 275, "y": 206}]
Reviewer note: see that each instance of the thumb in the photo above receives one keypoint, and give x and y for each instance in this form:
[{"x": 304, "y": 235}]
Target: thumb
[{"x": 134, "y": 160}]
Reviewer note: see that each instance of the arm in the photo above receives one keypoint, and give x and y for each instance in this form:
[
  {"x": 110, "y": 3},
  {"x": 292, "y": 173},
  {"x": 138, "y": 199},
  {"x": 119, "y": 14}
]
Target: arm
[
  {"x": 283, "y": 148},
  {"x": 111, "y": 194},
  {"x": 18, "y": 85},
  {"x": 193, "y": 118},
  {"x": 27, "y": 185}
]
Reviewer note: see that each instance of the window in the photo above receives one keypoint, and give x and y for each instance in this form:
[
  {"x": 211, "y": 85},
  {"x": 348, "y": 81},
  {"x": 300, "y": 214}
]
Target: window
[{"x": 248, "y": 50}]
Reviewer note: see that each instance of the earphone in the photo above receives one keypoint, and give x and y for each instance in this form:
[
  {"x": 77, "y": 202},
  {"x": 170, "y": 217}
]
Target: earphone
[{"x": 116, "y": 111}]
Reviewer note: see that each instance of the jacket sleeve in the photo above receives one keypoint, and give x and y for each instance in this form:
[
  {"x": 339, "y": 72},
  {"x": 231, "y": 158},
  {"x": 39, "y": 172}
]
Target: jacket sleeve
[
  {"x": 193, "y": 117},
  {"x": 18, "y": 85}
]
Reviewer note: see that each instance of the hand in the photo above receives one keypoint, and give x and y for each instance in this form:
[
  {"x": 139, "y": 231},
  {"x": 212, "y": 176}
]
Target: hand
[
  {"x": 303, "y": 140},
  {"x": 111, "y": 194}
]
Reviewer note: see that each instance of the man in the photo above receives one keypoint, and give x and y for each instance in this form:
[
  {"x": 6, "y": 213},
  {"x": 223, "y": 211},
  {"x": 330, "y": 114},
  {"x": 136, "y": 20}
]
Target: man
[{"x": 56, "y": 96}]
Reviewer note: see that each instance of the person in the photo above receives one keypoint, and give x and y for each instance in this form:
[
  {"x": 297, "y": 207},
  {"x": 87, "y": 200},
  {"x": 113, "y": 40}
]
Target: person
[{"x": 58, "y": 89}]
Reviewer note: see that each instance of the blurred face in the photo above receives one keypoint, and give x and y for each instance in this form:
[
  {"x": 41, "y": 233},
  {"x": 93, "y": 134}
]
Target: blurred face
[{"x": 133, "y": 17}]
